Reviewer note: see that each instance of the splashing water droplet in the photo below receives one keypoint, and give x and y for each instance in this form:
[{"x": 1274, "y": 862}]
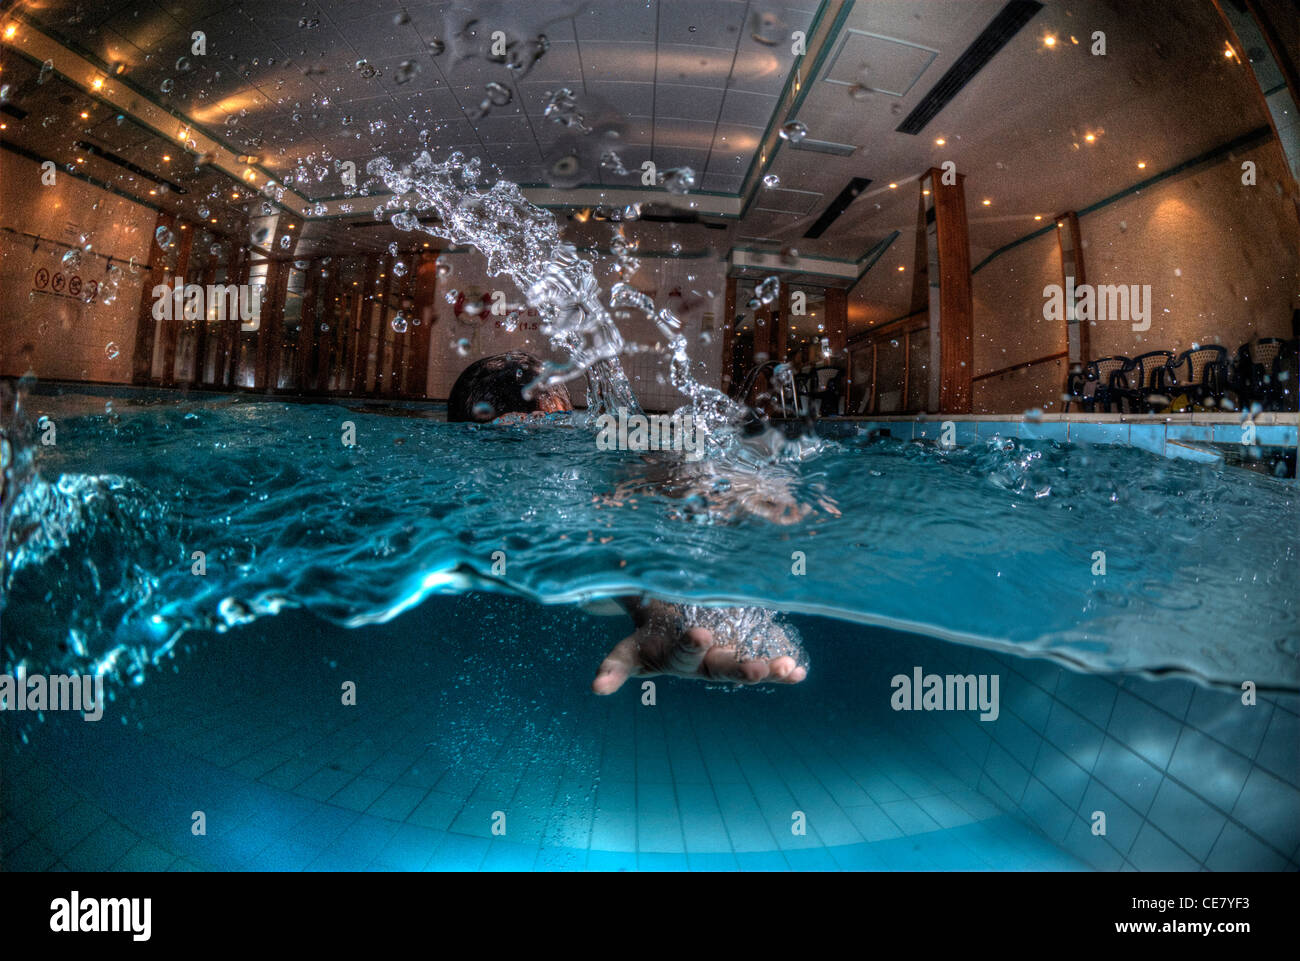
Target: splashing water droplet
[
  {"x": 111, "y": 350},
  {"x": 771, "y": 180},
  {"x": 166, "y": 239},
  {"x": 680, "y": 181},
  {"x": 399, "y": 323},
  {"x": 794, "y": 131}
]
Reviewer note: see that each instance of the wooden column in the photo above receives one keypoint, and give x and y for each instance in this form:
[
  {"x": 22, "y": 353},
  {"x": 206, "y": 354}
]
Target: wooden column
[
  {"x": 837, "y": 333},
  {"x": 425, "y": 298},
  {"x": 330, "y": 361},
  {"x": 363, "y": 315},
  {"x": 385, "y": 290},
  {"x": 305, "y": 366},
  {"x": 730, "y": 375},
  {"x": 270, "y": 335},
  {"x": 142, "y": 357},
  {"x": 171, "y": 329},
  {"x": 1073, "y": 276},
  {"x": 202, "y": 343},
  {"x": 238, "y": 264},
  {"x": 951, "y": 310},
  {"x": 781, "y": 325}
]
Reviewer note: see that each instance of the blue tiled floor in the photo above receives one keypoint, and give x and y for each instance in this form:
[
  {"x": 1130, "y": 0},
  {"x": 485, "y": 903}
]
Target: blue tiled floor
[{"x": 416, "y": 776}]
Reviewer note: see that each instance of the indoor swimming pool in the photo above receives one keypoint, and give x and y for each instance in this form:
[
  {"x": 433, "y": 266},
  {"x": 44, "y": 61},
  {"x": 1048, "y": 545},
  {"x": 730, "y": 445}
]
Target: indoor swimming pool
[{"x": 473, "y": 740}]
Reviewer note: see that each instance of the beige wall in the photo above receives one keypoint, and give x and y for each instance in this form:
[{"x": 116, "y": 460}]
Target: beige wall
[
  {"x": 1222, "y": 260},
  {"x": 57, "y": 335}
]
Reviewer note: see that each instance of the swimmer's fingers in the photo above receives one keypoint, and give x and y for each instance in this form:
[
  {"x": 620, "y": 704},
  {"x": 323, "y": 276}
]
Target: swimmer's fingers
[
  {"x": 620, "y": 663},
  {"x": 689, "y": 650},
  {"x": 722, "y": 664},
  {"x": 785, "y": 670}
]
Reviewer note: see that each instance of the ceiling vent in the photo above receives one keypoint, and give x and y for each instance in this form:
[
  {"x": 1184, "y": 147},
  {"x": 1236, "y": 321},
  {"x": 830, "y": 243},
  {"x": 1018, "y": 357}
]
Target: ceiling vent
[
  {"x": 995, "y": 36},
  {"x": 837, "y": 207}
]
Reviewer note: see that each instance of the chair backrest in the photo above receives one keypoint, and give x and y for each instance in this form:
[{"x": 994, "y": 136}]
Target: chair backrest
[
  {"x": 1264, "y": 351},
  {"x": 1142, "y": 374},
  {"x": 1105, "y": 369},
  {"x": 1202, "y": 366}
]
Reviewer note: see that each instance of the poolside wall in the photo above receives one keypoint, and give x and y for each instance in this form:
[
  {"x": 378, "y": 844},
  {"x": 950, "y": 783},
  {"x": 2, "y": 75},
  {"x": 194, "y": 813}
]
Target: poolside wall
[
  {"x": 56, "y": 334},
  {"x": 1186, "y": 236},
  {"x": 1187, "y": 776}
]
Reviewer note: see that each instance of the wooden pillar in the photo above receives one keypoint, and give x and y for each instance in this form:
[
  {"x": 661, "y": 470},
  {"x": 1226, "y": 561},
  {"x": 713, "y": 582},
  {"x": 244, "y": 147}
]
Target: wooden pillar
[
  {"x": 332, "y": 345},
  {"x": 202, "y": 343},
  {"x": 1073, "y": 276},
  {"x": 305, "y": 365},
  {"x": 362, "y": 319},
  {"x": 837, "y": 334},
  {"x": 142, "y": 358},
  {"x": 730, "y": 375},
  {"x": 425, "y": 298},
  {"x": 171, "y": 329},
  {"x": 781, "y": 324},
  {"x": 238, "y": 265},
  {"x": 270, "y": 335},
  {"x": 951, "y": 309},
  {"x": 385, "y": 290}
]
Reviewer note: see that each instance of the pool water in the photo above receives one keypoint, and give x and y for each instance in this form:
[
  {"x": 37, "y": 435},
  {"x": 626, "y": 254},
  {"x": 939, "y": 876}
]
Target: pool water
[{"x": 474, "y": 741}]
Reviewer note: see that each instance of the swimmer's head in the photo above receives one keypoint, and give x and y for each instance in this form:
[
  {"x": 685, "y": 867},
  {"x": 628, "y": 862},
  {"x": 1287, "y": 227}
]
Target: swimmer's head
[{"x": 494, "y": 386}]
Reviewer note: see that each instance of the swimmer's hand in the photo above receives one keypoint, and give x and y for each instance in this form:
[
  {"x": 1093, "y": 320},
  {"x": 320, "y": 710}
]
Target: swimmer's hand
[{"x": 692, "y": 653}]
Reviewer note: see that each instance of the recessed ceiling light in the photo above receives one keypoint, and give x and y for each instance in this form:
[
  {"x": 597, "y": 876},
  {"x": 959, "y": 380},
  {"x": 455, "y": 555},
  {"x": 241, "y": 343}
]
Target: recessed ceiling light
[
  {"x": 901, "y": 267},
  {"x": 10, "y": 31},
  {"x": 84, "y": 115},
  {"x": 1038, "y": 216},
  {"x": 1142, "y": 165},
  {"x": 1049, "y": 40},
  {"x": 893, "y": 186},
  {"x": 1090, "y": 137},
  {"x": 939, "y": 142},
  {"x": 988, "y": 203}
]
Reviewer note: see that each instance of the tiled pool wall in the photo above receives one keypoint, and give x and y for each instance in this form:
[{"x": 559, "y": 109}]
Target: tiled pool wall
[
  {"x": 1188, "y": 777},
  {"x": 1183, "y": 436}
]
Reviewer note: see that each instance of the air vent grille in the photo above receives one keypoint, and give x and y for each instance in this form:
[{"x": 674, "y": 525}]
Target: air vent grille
[{"x": 995, "y": 36}]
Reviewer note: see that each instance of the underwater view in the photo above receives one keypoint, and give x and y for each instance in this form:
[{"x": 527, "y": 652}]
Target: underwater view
[{"x": 649, "y": 436}]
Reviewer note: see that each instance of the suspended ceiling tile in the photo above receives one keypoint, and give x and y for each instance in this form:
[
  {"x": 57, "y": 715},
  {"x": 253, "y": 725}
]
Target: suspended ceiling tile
[
  {"x": 750, "y": 109},
  {"x": 882, "y": 64},
  {"x": 561, "y": 64},
  {"x": 503, "y": 130},
  {"x": 628, "y": 62},
  {"x": 617, "y": 20},
  {"x": 760, "y": 69},
  {"x": 714, "y": 24},
  {"x": 699, "y": 66},
  {"x": 693, "y": 134},
  {"x": 736, "y": 138},
  {"x": 678, "y": 101},
  {"x": 624, "y": 99}
]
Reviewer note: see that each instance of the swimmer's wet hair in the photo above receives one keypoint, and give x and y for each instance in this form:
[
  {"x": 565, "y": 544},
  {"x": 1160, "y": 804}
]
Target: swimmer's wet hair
[{"x": 493, "y": 386}]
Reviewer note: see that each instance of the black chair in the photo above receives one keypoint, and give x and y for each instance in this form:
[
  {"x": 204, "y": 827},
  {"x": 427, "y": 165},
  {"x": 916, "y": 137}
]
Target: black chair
[
  {"x": 1199, "y": 376},
  {"x": 1136, "y": 387},
  {"x": 1096, "y": 383},
  {"x": 1284, "y": 388},
  {"x": 1253, "y": 375},
  {"x": 825, "y": 388}
]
